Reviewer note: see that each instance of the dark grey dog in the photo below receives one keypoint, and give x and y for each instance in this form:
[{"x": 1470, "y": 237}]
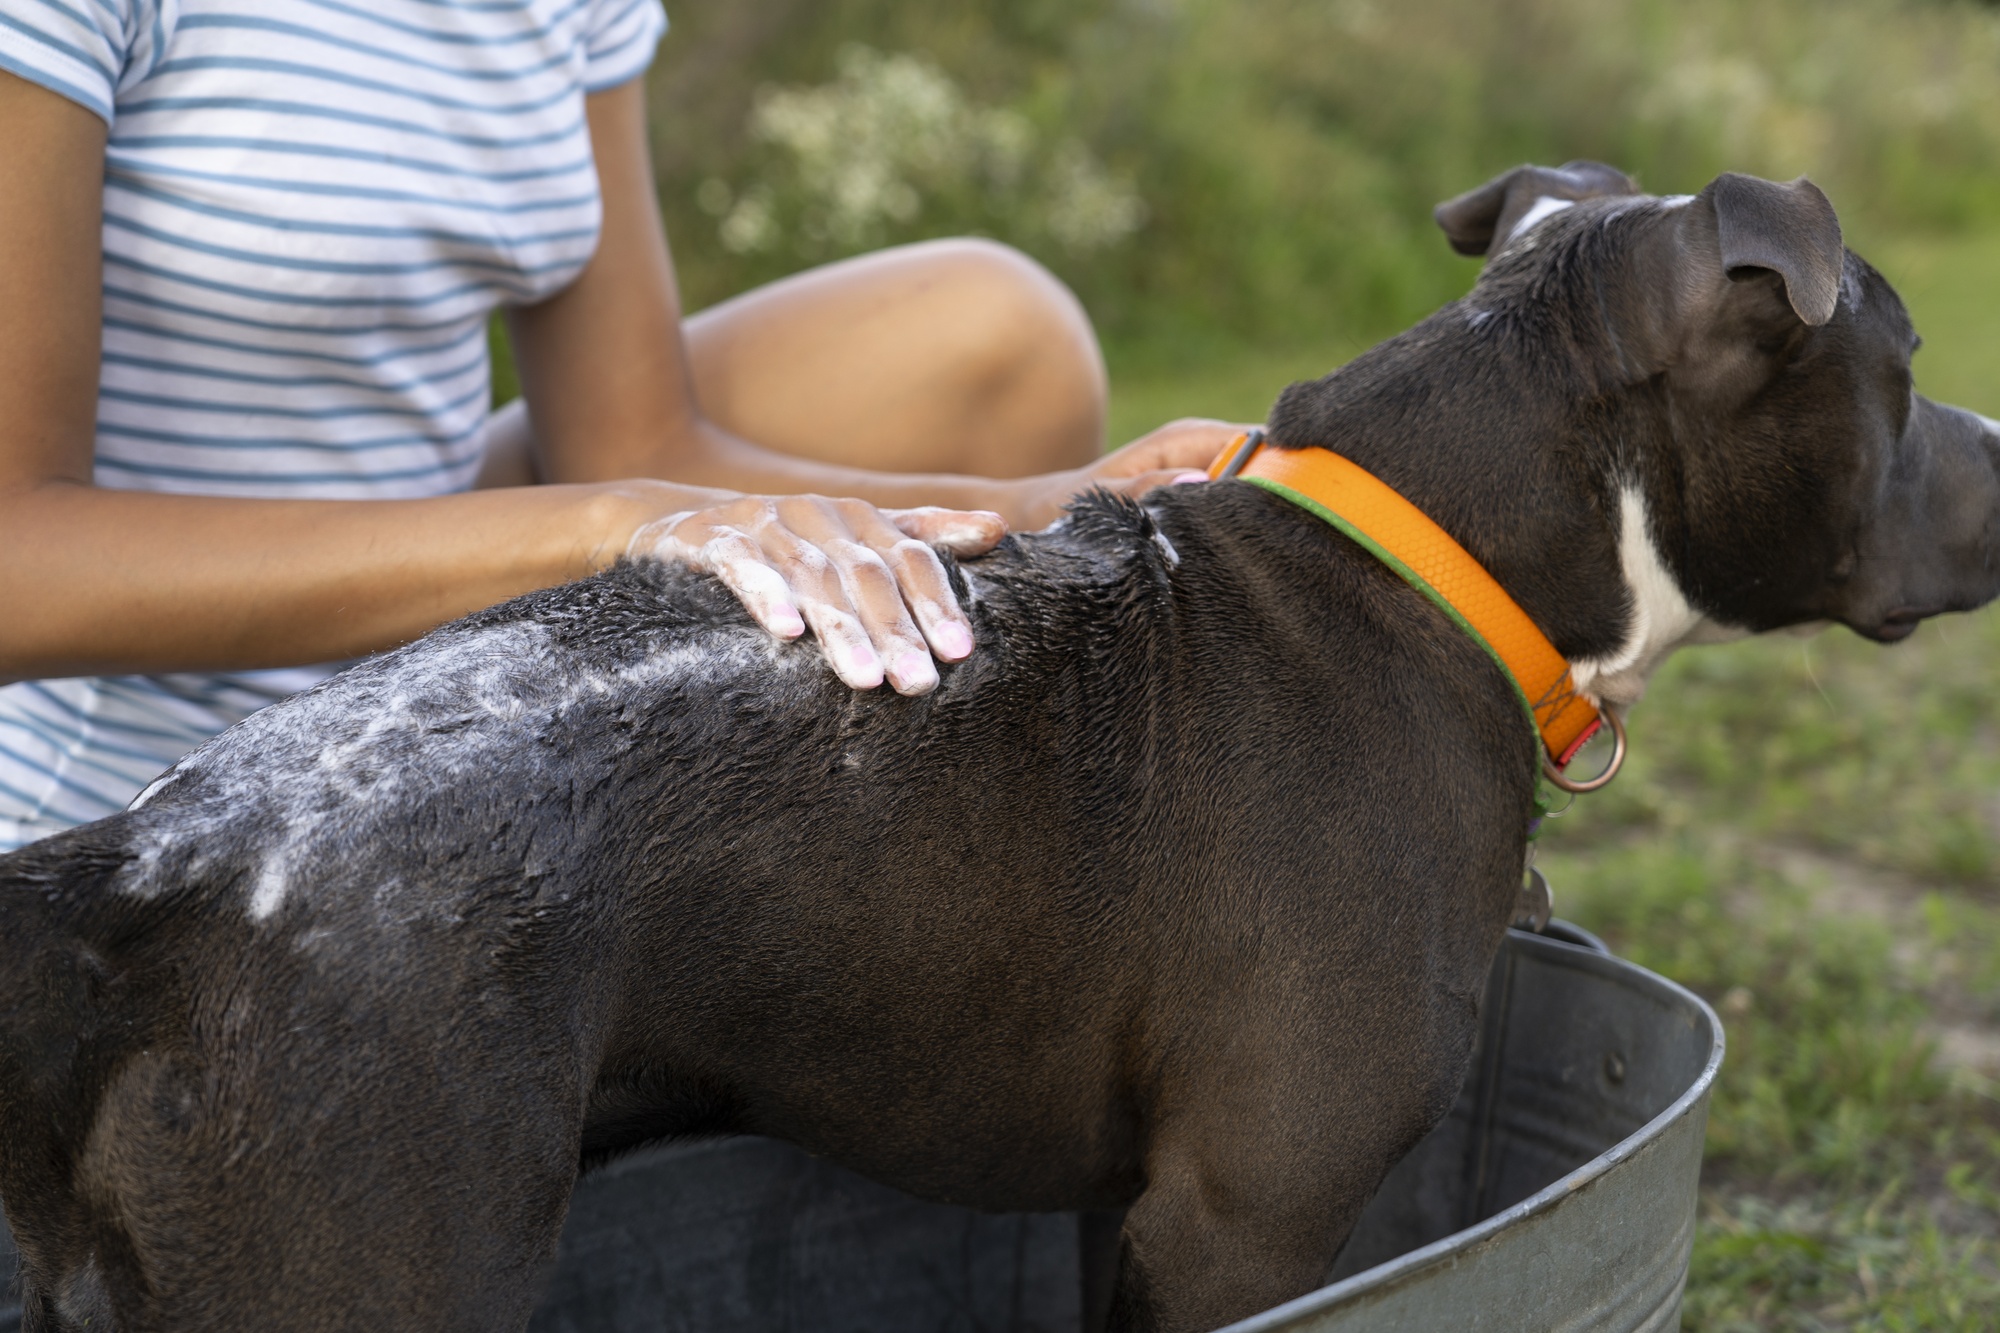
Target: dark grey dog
[{"x": 1178, "y": 894}]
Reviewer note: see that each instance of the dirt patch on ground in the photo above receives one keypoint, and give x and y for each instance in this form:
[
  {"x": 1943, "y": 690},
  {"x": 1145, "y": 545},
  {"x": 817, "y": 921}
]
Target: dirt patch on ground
[{"x": 1967, "y": 1036}]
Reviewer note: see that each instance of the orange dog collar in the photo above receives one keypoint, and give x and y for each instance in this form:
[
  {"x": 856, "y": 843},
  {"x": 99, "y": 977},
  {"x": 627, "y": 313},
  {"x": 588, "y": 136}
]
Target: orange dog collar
[{"x": 1404, "y": 538}]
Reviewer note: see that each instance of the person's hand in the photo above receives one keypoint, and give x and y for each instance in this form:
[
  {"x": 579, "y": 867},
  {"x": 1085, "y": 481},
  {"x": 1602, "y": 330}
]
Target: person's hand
[
  {"x": 1190, "y": 444},
  {"x": 1179, "y": 451},
  {"x": 864, "y": 579}
]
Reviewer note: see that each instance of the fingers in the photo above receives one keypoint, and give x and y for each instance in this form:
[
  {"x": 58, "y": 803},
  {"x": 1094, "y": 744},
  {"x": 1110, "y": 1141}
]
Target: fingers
[
  {"x": 860, "y": 603},
  {"x": 744, "y": 568},
  {"x": 921, "y": 582},
  {"x": 1146, "y": 481},
  {"x": 843, "y": 638},
  {"x": 964, "y": 532},
  {"x": 1194, "y": 443},
  {"x": 1191, "y": 443},
  {"x": 702, "y": 541},
  {"x": 867, "y": 583}
]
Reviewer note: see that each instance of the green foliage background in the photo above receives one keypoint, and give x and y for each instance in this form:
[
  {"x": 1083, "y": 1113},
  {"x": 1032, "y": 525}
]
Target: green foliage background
[
  {"x": 1289, "y": 151},
  {"x": 1809, "y": 833}
]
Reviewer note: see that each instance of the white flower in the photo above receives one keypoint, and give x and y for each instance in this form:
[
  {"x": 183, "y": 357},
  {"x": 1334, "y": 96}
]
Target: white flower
[
  {"x": 1087, "y": 209},
  {"x": 749, "y": 227}
]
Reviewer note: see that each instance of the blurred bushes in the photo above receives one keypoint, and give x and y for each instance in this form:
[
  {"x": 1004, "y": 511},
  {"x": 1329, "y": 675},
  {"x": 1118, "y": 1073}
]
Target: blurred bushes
[
  {"x": 1275, "y": 161},
  {"x": 894, "y": 142}
]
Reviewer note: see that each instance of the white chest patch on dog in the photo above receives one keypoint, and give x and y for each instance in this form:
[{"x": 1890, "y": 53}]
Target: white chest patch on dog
[{"x": 1662, "y": 618}]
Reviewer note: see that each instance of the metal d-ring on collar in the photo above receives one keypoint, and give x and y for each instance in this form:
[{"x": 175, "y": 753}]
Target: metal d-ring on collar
[
  {"x": 1253, "y": 440},
  {"x": 1602, "y": 780}
]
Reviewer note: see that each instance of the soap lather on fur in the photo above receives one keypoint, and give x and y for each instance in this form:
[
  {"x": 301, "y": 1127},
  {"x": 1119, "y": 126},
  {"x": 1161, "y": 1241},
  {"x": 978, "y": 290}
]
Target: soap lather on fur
[{"x": 1177, "y": 896}]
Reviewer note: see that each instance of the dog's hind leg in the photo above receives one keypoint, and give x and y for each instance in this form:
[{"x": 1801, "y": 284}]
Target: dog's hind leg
[
  {"x": 429, "y": 1194},
  {"x": 361, "y": 1112}
]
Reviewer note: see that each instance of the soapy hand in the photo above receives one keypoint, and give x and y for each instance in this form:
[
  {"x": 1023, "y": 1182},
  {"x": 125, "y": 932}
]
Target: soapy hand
[{"x": 865, "y": 580}]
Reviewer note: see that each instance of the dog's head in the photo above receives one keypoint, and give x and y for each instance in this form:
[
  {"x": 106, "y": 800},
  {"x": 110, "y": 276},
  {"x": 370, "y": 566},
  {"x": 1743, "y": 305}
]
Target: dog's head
[{"x": 1727, "y": 388}]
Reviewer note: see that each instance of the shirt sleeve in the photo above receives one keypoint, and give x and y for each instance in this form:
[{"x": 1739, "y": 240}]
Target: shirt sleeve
[
  {"x": 86, "y": 50},
  {"x": 623, "y": 34}
]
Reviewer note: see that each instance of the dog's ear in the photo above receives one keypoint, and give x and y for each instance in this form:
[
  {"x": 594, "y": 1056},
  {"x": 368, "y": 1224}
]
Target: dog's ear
[
  {"x": 1480, "y": 221},
  {"x": 1789, "y": 230}
]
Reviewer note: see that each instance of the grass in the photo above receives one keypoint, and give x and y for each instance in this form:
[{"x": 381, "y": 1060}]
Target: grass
[
  {"x": 1805, "y": 838},
  {"x": 1808, "y": 834}
]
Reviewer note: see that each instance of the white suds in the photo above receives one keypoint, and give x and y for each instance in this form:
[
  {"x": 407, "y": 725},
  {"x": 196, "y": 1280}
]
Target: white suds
[
  {"x": 274, "y": 879},
  {"x": 153, "y": 788},
  {"x": 270, "y": 891},
  {"x": 461, "y": 707}
]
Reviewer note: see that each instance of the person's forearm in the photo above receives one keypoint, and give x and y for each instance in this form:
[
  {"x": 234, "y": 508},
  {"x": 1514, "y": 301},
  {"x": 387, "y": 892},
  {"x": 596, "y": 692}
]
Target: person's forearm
[{"x": 99, "y": 581}]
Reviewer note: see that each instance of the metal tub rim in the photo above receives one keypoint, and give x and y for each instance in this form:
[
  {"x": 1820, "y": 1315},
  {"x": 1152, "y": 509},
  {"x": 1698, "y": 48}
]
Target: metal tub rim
[{"x": 1407, "y": 1267}]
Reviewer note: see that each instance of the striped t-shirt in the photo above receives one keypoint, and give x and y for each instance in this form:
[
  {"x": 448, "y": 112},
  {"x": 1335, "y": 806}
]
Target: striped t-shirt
[{"x": 311, "y": 208}]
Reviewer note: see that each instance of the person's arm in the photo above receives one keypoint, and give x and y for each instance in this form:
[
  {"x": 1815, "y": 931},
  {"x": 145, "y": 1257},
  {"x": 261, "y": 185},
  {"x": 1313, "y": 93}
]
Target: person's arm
[
  {"x": 605, "y": 374},
  {"x": 95, "y": 580}
]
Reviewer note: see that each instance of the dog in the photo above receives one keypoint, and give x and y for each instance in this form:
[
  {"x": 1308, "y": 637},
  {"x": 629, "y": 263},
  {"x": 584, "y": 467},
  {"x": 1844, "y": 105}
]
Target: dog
[{"x": 1176, "y": 897}]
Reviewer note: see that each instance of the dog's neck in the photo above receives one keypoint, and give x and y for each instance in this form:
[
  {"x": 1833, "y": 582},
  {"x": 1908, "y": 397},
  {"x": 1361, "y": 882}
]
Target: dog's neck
[
  {"x": 1535, "y": 467},
  {"x": 1661, "y": 618}
]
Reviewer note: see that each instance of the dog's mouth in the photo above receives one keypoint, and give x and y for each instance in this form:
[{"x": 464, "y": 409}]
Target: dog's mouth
[{"x": 1900, "y": 624}]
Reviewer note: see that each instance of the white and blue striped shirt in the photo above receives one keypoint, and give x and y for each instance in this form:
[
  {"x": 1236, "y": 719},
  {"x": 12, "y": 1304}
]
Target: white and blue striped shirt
[{"x": 311, "y": 208}]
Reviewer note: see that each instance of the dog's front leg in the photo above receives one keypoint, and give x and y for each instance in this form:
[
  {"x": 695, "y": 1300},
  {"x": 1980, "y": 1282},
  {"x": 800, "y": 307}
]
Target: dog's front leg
[
  {"x": 1252, "y": 1189},
  {"x": 1204, "y": 1247}
]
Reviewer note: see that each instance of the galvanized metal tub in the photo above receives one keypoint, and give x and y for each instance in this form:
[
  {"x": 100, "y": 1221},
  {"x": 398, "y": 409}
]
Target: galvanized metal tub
[{"x": 1559, "y": 1194}]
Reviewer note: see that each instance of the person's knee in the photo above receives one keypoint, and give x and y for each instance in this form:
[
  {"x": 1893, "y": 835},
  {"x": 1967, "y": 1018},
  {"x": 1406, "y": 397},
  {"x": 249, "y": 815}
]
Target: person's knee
[
  {"x": 958, "y": 355},
  {"x": 1028, "y": 352},
  {"x": 1026, "y": 320}
]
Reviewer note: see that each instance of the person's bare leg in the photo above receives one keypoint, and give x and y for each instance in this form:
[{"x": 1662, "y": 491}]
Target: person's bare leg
[{"x": 950, "y": 356}]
